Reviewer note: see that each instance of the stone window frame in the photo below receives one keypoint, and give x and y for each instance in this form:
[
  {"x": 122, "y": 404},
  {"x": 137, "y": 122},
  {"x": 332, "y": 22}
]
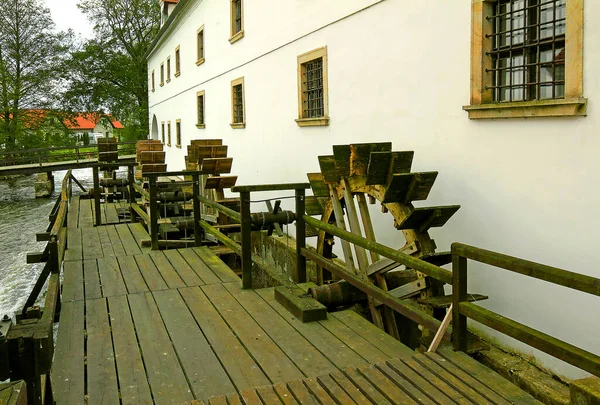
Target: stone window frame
[
  {"x": 200, "y": 46},
  {"x": 153, "y": 88},
  {"x": 303, "y": 59},
  {"x": 236, "y": 35},
  {"x": 202, "y": 124},
  {"x": 168, "y": 133},
  {"x": 234, "y": 83},
  {"x": 162, "y": 131},
  {"x": 168, "y": 69},
  {"x": 178, "y": 133},
  {"x": 162, "y": 74},
  {"x": 482, "y": 105},
  {"x": 177, "y": 61}
]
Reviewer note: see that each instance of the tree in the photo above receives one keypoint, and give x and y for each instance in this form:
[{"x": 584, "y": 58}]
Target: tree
[
  {"x": 109, "y": 73},
  {"x": 32, "y": 57}
]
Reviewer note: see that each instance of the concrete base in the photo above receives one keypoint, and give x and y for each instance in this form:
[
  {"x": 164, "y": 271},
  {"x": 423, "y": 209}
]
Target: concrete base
[
  {"x": 585, "y": 391},
  {"x": 44, "y": 186}
]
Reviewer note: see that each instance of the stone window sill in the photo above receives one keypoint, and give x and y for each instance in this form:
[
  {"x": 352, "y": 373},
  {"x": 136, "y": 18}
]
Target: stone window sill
[
  {"x": 529, "y": 109},
  {"x": 177, "y": 74},
  {"x": 178, "y": 146},
  {"x": 238, "y": 125},
  {"x": 199, "y": 61},
  {"x": 168, "y": 80},
  {"x": 313, "y": 122},
  {"x": 236, "y": 37},
  {"x": 201, "y": 126}
]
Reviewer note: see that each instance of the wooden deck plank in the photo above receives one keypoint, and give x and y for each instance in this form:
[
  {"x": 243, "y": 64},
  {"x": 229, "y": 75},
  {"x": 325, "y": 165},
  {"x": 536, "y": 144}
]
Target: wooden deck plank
[
  {"x": 334, "y": 390},
  {"x": 407, "y": 385},
  {"x": 105, "y": 242},
  {"x": 391, "y": 391},
  {"x": 73, "y": 215},
  {"x": 166, "y": 270},
  {"x": 250, "y": 397},
  {"x": 91, "y": 279},
  {"x": 134, "y": 281},
  {"x": 74, "y": 244},
  {"x": 127, "y": 239},
  {"x": 102, "y": 385},
  {"x": 139, "y": 233},
  {"x": 111, "y": 277},
  {"x": 349, "y": 387},
  {"x": 151, "y": 275},
  {"x": 242, "y": 369},
  {"x": 132, "y": 376},
  {"x": 117, "y": 245},
  {"x": 364, "y": 328},
  {"x": 488, "y": 393},
  {"x": 68, "y": 370},
  {"x": 333, "y": 348},
  {"x": 268, "y": 395},
  {"x": 167, "y": 380},
  {"x": 420, "y": 381},
  {"x": 112, "y": 216},
  {"x": 199, "y": 267},
  {"x": 234, "y": 399},
  {"x": 318, "y": 391},
  {"x": 72, "y": 289},
  {"x": 366, "y": 388},
  {"x": 276, "y": 365},
  {"x": 92, "y": 248},
  {"x": 284, "y": 394},
  {"x": 301, "y": 393},
  {"x": 204, "y": 372},
  {"x": 85, "y": 213},
  {"x": 488, "y": 377},
  {"x": 183, "y": 269},
  {"x": 304, "y": 355},
  {"x": 215, "y": 264}
]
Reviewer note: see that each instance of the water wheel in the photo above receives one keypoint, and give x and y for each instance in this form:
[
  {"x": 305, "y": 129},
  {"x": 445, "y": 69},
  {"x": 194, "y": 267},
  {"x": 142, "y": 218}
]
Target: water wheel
[{"x": 355, "y": 174}]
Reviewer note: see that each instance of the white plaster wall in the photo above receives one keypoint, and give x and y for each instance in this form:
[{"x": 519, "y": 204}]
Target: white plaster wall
[{"x": 399, "y": 71}]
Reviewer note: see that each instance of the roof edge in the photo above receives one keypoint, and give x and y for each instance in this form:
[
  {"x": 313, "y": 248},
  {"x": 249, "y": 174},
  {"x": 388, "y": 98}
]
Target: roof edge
[{"x": 179, "y": 9}]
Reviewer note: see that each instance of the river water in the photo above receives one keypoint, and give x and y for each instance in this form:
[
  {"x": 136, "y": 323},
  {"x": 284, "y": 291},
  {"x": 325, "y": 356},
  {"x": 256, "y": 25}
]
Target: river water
[{"x": 21, "y": 217}]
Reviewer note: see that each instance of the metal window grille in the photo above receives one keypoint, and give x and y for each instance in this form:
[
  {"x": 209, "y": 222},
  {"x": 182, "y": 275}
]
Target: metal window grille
[
  {"x": 169, "y": 134},
  {"x": 201, "y": 110},
  {"x": 528, "y": 50},
  {"x": 237, "y": 16},
  {"x": 313, "y": 91},
  {"x": 238, "y": 104},
  {"x": 200, "y": 45},
  {"x": 162, "y": 132},
  {"x": 178, "y": 133}
]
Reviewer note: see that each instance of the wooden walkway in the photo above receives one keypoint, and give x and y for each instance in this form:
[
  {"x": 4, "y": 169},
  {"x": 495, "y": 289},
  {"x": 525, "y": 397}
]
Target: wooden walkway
[{"x": 172, "y": 327}]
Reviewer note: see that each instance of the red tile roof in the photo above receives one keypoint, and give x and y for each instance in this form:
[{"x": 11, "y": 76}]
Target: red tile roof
[
  {"x": 89, "y": 121},
  {"x": 171, "y": 1}
]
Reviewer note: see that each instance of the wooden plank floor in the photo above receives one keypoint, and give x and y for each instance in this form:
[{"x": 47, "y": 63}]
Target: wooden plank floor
[{"x": 173, "y": 327}]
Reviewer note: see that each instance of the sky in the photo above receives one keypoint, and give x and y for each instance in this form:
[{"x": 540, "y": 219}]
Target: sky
[{"x": 66, "y": 15}]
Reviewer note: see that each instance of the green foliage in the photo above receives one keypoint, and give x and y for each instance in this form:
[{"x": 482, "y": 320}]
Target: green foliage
[
  {"x": 109, "y": 72},
  {"x": 32, "y": 57}
]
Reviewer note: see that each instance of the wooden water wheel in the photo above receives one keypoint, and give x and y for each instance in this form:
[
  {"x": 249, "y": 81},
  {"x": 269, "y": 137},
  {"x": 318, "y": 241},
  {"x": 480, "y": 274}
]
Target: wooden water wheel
[{"x": 356, "y": 173}]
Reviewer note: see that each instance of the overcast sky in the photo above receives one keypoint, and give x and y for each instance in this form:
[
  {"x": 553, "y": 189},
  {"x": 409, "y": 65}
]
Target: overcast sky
[{"x": 66, "y": 15}]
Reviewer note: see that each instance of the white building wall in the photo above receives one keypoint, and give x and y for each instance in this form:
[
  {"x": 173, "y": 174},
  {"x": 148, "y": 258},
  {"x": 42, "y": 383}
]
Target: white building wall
[{"x": 399, "y": 71}]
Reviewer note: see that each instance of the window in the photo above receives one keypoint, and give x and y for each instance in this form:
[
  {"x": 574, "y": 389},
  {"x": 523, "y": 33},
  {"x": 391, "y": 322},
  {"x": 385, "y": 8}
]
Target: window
[
  {"x": 200, "y": 107},
  {"x": 177, "y": 62},
  {"x": 313, "y": 100},
  {"x": 168, "y": 133},
  {"x": 200, "y": 41},
  {"x": 237, "y": 104},
  {"x": 152, "y": 80},
  {"x": 162, "y": 131},
  {"x": 162, "y": 74},
  {"x": 237, "y": 21},
  {"x": 178, "y": 133},
  {"x": 168, "y": 69},
  {"x": 526, "y": 59}
]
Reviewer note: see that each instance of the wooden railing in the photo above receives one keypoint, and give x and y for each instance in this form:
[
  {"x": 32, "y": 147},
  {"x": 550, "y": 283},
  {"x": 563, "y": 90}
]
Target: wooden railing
[
  {"x": 58, "y": 154},
  {"x": 462, "y": 309}
]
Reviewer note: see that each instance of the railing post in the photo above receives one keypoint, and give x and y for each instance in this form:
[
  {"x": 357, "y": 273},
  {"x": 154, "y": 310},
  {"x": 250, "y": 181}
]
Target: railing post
[
  {"x": 153, "y": 212},
  {"x": 246, "y": 240},
  {"x": 459, "y": 294},
  {"x": 300, "y": 276},
  {"x": 131, "y": 181},
  {"x": 197, "y": 215},
  {"x": 97, "y": 196}
]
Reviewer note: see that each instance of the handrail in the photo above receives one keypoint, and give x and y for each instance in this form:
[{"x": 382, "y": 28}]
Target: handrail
[
  {"x": 236, "y": 216},
  {"x": 409, "y": 261},
  {"x": 462, "y": 309}
]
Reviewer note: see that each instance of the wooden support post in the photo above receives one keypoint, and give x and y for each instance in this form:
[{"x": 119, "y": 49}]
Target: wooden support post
[
  {"x": 131, "y": 181},
  {"x": 246, "y": 240},
  {"x": 153, "y": 212},
  {"x": 361, "y": 254},
  {"x": 197, "y": 209},
  {"x": 339, "y": 221},
  {"x": 97, "y": 196},
  {"x": 23, "y": 362},
  {"x": 300, "y": 276},
  {"x": 459, "y": 294}
]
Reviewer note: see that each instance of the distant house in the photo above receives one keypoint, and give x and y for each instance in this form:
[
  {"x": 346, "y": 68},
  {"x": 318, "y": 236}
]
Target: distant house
[{"x": 92, "y": 126}]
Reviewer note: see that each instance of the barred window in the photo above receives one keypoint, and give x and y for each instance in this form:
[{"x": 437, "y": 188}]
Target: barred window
[
  {"x": 168, "y": 133},
  {"x": 153, "y": 80},
  {"x": 528, "y": 50},
  {"x": 168, "y": 69},
  {"x": 237, "y": 103},
  {"x": 162, "y": 74},
  {"x": 178, "y": 133},
  {"x": 177, "y": 62},
  {"x": 200, "y": 106},
  {"x": 200, "y": 43},
  {"x": 162, "y": 131},
  {"x": 312, "y": 88},
  {"x": 237, "y": 20}
]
